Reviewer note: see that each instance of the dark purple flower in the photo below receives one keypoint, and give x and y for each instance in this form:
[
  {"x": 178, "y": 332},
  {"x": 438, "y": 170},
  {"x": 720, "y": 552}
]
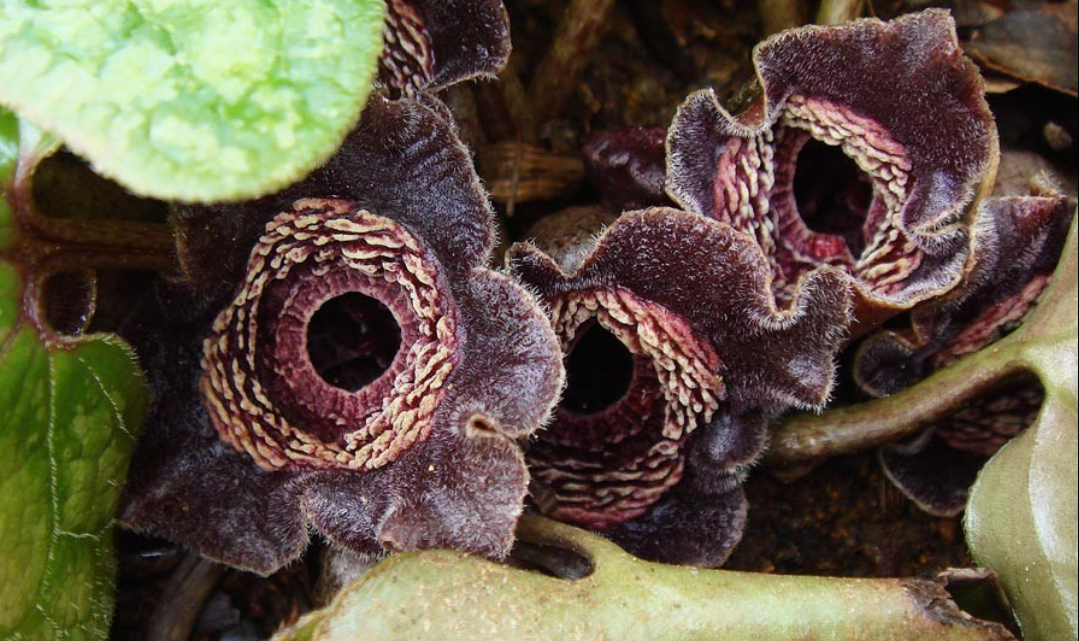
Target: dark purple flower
[
  {"x": 341, "y": 356},
  {"x": 676, "y": 357},
  {"x": 863, "y": 147}
]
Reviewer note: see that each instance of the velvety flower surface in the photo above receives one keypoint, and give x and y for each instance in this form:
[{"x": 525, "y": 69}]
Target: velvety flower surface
[
  {"x": 1017, "y": 243},
  {"x": 676, "y": 356},
  {"x": 863, "y": 147},
  {"x": 339, "y": 356},
  {"x": 429, "y": 44}
]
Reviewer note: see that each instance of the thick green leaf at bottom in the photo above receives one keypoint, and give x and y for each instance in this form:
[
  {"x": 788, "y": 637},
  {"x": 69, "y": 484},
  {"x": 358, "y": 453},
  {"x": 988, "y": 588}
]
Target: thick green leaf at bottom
[{"x": 598, "y": 591}]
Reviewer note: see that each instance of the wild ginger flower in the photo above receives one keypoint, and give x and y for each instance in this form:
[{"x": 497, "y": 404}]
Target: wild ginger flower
[
  {"x": 898, "y": 99},
  {"x": 677, "y": 356},
  {"x": 342, "y": 357},
  {"x": 430, "y": 44}
]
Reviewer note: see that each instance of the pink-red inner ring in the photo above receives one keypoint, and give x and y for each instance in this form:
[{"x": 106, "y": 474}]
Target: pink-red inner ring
[{"x": 302, "y": 396}]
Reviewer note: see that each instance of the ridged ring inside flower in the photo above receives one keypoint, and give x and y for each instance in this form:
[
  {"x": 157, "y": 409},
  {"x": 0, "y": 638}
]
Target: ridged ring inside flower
[
  {"x": 608, "y": 464},
  {"x": 265, "y": 393}
]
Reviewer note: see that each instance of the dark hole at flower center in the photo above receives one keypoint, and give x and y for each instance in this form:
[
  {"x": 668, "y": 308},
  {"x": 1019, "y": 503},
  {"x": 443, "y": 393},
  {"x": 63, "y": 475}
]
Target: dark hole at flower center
[
  {"x": 599, "y": 371},
  {"x": 351, "y": 340},
  {"x": 832, "y": 192}
]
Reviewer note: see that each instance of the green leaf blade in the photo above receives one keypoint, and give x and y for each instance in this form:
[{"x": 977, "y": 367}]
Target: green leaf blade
[
  {"x": 195, "y": 101},
  {"x": 69, "y": 412},
  {"x": 10, "y": 289},
  {"x": 66, "y": 436},
  {"x": 1022, "y": 518},
  {"x": 1054, "y": 476},
  {"x": 9, "y": 154},
  {"x": 24, "y": 498},
  {"x": 1018, "y": 524}
]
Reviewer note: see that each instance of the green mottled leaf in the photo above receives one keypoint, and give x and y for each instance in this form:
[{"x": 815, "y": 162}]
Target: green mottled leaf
[
  {"x": 194, "y": 100},
  {"x": 68, "y": 415},
  {"x": 1023, "y": 510},
  {"x": 598, "y": 591}
]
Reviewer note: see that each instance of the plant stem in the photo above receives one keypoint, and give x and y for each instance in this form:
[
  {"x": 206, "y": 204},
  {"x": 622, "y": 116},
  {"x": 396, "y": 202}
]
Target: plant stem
[
  {"x": 43, "y": 247},
  {"x": 839, "y": 11},
  {"x": 182, "y": 600},
  {"x": 601, "y": 592},
  {"x": 779, "y": 15},
  {"x": 808, "y": 437},
  {"x": 561, "y": 68}
]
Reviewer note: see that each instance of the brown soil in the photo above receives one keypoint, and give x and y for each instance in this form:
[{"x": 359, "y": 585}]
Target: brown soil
[{"x": 843, "y": 519}]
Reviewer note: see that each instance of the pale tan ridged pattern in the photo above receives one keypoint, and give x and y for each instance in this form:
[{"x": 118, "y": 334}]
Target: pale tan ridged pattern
[
  {"x": 333, "y": 237},
  {"x": 890, "y": 256},
  {"x": 408, "y": 62},
  {"x": 692, "y": 389},
  {"x": 744, "y": 177}
]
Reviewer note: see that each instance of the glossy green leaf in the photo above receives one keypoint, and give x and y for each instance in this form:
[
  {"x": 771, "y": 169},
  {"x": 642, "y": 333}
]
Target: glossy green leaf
[
  {"x": 1023, "y": 510},
  {"x": 68, "y": 417},
  {"x": 438, "y": 595},
  {"x": 194, "y": 100}
]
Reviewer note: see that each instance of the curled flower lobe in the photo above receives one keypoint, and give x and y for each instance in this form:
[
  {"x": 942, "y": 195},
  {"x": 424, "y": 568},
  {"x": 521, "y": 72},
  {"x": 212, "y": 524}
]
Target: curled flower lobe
[
  {"x": 1017, "y": 244},
  {"x": 358, "y": 368},
  {"x": 393, "y": 145},
  {"x": 675, "y": 352},
  {"x": 430, "y": 44},
  {"x": 899, "y": 105}
]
